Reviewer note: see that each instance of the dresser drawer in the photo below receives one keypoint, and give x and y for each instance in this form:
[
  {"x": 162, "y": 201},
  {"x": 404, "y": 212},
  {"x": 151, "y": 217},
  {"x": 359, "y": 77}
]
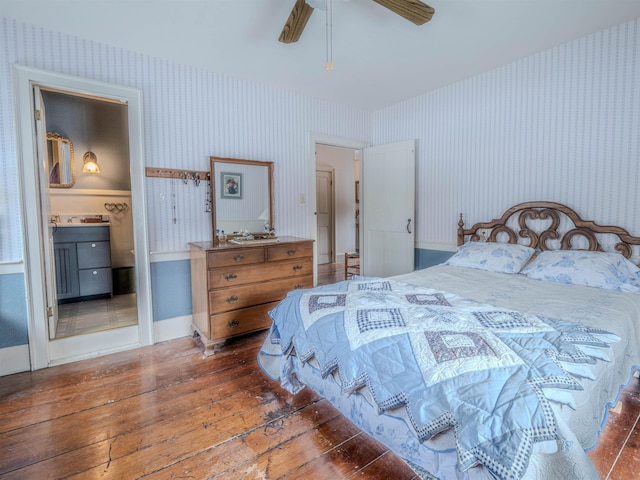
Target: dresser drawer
[
  {"x": 244, "y": 320},
  {"x": 241, "y": 256},
  {"x": 93, "y": 254},
  {"x": 95, "y": 281},
  {"x": 241, "y": 275},
  {"x": 226, "y": 299},
  {"x": 290, "y": 250}
]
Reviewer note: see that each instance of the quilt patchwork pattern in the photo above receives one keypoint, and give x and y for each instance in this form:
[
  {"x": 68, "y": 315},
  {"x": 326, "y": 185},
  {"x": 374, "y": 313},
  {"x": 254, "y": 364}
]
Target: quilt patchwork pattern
[{"x": 450, "y": 363}]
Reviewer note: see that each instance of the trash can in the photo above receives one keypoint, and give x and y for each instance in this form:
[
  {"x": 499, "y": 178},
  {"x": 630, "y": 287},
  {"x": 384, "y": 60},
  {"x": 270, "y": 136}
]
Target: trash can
[{"x": 124, "y": 280}]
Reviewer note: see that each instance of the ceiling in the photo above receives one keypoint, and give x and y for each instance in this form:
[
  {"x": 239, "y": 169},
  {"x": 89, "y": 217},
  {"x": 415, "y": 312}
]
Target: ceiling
[{"x": 379, "y": 58}]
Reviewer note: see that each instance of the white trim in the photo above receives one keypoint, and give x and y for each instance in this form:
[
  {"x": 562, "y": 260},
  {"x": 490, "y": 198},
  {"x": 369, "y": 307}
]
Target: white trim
[
  {"x": 24, "y": 81},
  {"x": 441, "y": 247},
  {"x": 323, "y": 139},
  {"x": 110, "y": 340},
  {"x": 14, "y": 360},
  {"x": 172, "y": 328},
  {"x": 89, "y": 192},
  {"x": 170, "y": 256},
  {"x": 7, "y": 268}
]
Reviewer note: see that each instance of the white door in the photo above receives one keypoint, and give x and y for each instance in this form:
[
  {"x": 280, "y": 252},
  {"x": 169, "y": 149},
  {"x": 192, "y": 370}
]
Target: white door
[
  {"x": 324, "y": 215},
  {"x": 388, "y": 209},
  {"x": 49, "y": 271}
]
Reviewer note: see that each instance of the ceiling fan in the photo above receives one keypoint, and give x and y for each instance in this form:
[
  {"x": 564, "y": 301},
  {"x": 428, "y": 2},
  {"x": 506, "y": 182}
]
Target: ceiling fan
[{"x": 413, "y": 10}]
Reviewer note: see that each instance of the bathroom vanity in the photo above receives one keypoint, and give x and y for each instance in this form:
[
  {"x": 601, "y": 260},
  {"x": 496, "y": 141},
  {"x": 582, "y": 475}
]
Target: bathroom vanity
[{"x": 82, "y": 261}]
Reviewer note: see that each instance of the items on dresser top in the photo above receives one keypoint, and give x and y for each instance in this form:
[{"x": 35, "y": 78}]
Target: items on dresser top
[{"x": 234, "y": 286}]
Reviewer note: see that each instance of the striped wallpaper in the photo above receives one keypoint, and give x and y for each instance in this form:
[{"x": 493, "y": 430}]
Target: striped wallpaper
[
  {"x": 189, "y": 114},
  {"x": 562, "y": 125}
]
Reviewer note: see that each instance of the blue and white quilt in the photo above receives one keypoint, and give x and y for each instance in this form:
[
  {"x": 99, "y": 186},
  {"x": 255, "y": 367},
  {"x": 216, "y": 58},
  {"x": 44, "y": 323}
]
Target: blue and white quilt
[{"x": 449, "y": 362}]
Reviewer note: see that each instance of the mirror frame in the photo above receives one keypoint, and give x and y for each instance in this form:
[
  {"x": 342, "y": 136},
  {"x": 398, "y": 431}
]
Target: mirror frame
[
  {"x": 236, "y": 161},
  {"x": 56, "y": 137}
]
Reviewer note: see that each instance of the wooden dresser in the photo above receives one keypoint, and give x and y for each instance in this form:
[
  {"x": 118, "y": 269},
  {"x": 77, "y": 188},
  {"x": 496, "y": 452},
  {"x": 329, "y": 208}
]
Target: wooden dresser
[{"x": 234, "y": 286}]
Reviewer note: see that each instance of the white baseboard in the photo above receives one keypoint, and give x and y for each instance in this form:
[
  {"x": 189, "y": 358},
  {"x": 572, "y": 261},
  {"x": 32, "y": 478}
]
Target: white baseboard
[
  {"x": 171, "y": 328},
  {"x": 14, "y": 360}
]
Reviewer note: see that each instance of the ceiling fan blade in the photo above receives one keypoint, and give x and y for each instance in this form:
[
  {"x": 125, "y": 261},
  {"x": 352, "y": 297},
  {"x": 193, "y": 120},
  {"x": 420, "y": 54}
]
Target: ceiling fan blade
[
  {"x": 413, "y": 10},
  {"x": 296, "y": 22}
]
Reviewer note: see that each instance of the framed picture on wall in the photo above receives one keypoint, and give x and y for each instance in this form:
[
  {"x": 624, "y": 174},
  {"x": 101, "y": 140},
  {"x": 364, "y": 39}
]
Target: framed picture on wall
[{"x": 231, "y": 185}]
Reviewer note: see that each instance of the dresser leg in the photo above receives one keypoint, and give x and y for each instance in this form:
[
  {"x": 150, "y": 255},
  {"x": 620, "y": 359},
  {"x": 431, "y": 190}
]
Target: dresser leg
[{"x": 209, "y": 345}]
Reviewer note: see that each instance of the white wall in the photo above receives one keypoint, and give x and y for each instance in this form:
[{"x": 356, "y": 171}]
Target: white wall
[
  {"x": 342, "y": 161},
  {"x": 561, "y": 125}
]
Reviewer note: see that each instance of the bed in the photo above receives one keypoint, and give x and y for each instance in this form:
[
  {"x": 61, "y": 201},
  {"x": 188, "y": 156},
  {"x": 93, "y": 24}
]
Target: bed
[{"x": 500, "y": 363}]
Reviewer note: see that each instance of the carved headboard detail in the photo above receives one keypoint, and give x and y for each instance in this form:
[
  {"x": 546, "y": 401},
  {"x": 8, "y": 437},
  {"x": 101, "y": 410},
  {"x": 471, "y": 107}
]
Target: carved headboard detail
[{"x": 539, "y": 224}]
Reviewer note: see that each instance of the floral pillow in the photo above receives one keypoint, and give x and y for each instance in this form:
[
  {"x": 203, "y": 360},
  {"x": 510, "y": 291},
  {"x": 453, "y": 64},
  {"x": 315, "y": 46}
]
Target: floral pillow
[
  {"x": 581, "y": 267},
  {"x": 493, "y": 257}
]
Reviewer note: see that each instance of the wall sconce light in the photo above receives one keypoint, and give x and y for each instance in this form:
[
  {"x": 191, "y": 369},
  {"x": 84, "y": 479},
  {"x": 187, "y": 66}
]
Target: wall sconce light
[{"x": 90, "y": 163}]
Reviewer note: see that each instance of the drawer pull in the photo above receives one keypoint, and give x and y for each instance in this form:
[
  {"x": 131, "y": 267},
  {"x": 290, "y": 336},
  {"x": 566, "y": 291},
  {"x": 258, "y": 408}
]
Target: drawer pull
[
  {"x": 238, "y": 258},
  {"x": 93, "y": 245},
  {"x": 230, "y": 277},
  {"x": 291, "y": 252},
  {"x": 95, "y": 272},
  {"x": 298, "y": 286},
  {"x": 232, "y": 299},
  {"x": 233, "y": 323},
  {"x": 297, "y": 268}
]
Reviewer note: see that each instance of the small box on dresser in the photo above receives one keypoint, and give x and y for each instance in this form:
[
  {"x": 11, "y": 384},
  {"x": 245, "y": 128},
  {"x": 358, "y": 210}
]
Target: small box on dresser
[{"x": 233, "y": 287}]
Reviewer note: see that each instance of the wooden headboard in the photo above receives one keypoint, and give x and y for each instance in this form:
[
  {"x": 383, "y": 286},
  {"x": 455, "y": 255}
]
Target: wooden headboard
[{"x": 549, "y": 226}]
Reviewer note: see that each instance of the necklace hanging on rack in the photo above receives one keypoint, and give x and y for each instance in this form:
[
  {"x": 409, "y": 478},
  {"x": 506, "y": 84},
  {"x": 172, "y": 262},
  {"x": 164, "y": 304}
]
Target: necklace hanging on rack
[
  {"x": 173, "y": 201},
  {"x": 208, "y": 201}
]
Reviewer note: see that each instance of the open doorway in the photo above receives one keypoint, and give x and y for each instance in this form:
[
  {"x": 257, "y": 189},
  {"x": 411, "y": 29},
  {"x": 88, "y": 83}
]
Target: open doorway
[
  {"x": 336, "y": 208},
  {"x": 35, "y": 179},
  {"x": 90, "y": 214}
]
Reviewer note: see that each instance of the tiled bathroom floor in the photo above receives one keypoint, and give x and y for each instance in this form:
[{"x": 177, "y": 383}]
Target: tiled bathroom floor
[{"x": 96, "y": 315}]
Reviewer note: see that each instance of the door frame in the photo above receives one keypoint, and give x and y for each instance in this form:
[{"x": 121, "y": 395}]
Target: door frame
[
  {"x": 36, "y": 249},
  {"x": 334, "y": 141},
  {"x": 332, "y": 210}
]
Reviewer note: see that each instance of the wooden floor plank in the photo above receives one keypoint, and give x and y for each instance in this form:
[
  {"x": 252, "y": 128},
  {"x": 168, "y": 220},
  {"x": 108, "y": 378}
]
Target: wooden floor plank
[
  {"x": 188, "y": 419},
  {"x": 278, "y": 459},
  {"x": 387, "y": 465},
  {"x": 341, "y": 461},
  {"x": 107, "y": 389},
  {"x": 221, "y": 456},
  {"x": 49, "y": 439}
]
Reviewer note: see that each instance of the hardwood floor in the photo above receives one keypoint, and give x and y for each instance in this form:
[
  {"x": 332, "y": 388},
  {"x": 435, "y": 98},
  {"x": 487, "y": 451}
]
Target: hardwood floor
[{"x": 166, "y": 411}]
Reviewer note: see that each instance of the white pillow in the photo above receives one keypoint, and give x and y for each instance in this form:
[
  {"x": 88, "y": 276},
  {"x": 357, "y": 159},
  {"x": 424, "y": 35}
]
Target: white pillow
[
  {"x": 582, "y": 267},
  {"x": 493, "y": 257}
]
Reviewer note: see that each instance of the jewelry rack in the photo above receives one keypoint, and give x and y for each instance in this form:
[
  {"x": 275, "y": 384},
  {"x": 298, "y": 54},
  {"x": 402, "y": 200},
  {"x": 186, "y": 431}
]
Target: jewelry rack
[{"x": 185, "y": 175}]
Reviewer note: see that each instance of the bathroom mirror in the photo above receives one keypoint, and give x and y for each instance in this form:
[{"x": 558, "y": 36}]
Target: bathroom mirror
[
  {"x": 242, "y": 194},
  {"x": 60, "y": 161}
]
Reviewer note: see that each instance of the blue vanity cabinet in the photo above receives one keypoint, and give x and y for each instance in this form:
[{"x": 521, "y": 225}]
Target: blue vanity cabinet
[
  {"x": 83, "y": 262},
  {"x": 66, "y": 264}
]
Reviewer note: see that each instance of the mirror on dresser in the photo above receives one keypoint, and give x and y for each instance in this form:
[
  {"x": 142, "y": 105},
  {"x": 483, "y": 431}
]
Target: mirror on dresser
[
  {"x": 60, "y": 161},
  {"x": 242, "y": 195}
]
